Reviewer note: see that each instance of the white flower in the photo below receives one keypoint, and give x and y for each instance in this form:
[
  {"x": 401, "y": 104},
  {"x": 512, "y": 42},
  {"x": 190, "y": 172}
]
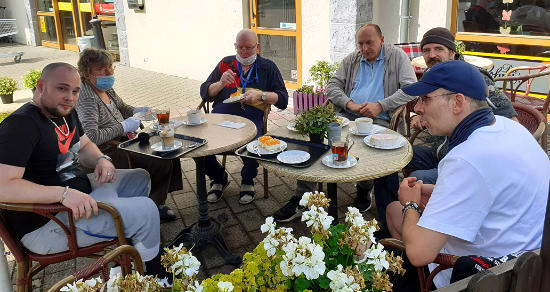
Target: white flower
[
  {"x": 186, "y": 264},
  {"x": 225, "y": 286},
  {"x": 304, "y": 257},
  {"x": 305, "y": 199},
  {"x": 318, "y": 218},
  {"x": 354, "y": 217},
  {"x": 341, "y": 282},
  {"x": 195, "y": 287},
  {"x": 268, "y": 226},
  {"x": 377, "y": 256}
]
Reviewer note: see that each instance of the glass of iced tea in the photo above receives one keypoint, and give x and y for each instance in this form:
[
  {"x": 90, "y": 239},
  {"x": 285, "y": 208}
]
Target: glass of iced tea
[
  {"x": 167, "y": 136},
  {"x": 163, "y": 115},
  {"x": 340, "y": 148}
]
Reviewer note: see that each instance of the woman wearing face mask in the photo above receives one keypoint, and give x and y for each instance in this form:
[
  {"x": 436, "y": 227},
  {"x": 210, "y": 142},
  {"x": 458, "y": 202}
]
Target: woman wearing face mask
[{"x": 105, "y": 117}]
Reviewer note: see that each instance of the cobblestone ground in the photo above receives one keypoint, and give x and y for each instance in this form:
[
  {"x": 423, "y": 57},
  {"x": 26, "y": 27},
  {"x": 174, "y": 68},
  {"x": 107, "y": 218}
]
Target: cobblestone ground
[{"x": 146, "y": 88}]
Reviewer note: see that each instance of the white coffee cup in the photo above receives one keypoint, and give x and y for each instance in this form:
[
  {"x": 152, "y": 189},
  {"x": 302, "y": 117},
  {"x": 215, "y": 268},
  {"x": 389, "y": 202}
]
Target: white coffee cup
[
  {"x": 363, "y": 125},
  {"x": 194, "y": 116}
]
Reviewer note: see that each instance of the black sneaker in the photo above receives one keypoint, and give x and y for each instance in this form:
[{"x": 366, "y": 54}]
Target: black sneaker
[
  {"x": 362, "y": 200},
  {"x": 291, "y": 210}
]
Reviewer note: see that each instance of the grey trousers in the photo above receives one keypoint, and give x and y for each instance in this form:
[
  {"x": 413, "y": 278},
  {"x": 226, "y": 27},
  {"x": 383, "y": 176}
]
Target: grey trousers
[{"x": 129, "y": 195}]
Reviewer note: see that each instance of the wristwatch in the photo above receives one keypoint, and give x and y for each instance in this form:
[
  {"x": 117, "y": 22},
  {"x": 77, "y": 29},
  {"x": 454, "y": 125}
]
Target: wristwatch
[
  {"x": 264, "y": 96},
  {"x": 411, "y": 205},
  {"x": 105, "y": 157}
]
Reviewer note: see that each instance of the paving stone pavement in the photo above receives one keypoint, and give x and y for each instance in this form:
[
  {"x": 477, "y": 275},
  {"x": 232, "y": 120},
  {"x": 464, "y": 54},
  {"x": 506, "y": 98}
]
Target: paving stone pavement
[{"x": 146, "y": 88}]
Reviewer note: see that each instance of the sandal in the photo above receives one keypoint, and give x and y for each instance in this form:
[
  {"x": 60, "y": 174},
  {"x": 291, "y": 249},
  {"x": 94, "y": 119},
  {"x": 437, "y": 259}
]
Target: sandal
[
  {"x": 216, "y": 192},
  {"x": 246, "y": 197}
]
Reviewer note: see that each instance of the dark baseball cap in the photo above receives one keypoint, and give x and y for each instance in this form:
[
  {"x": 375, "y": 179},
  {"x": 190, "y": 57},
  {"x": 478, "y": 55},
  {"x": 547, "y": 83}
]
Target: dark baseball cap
[{"x": 456, "y": 76}]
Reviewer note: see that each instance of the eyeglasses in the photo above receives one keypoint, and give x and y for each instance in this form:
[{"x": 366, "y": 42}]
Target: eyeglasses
[
  {"x": 424, "y": 98},
  {"x": 244, "y": 48}
]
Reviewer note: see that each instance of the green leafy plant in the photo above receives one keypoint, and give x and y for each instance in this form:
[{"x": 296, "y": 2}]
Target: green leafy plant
[
  {"x": 315, "y": 120},
  {"x": 305, "y": 89},
  {"x": 321, "y": 73},
  {"x": 7, "y": 85},
  {"x": 460, "y": 46},
  {"x": 3, "y": 116},
  {"x": 31, "y": 78}
]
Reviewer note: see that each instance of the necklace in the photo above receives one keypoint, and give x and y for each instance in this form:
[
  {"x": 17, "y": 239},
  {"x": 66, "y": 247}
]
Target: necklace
[{"x": 56, "y": 126}]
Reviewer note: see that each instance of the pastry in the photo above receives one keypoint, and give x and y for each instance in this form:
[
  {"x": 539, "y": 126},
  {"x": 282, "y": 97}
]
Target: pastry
[
  {"x": 268, "y": 143},
  {"x": 383, "y": 140}
]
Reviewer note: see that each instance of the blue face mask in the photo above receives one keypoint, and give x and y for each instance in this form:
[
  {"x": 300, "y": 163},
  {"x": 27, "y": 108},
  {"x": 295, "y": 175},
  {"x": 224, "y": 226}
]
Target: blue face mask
[{"x": 105, "y": 82}]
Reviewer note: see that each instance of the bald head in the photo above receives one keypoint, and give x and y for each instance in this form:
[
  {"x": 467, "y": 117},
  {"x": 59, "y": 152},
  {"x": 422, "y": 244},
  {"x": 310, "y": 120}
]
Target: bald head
[
  {"x": 370, "y": 26},
  {"x": 247, "y": 34},
  {"x": 51, "y": 68}
]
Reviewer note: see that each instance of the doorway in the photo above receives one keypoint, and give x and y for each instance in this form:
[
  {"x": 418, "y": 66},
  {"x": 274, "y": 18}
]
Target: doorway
[{"x": 279, "y": 27}]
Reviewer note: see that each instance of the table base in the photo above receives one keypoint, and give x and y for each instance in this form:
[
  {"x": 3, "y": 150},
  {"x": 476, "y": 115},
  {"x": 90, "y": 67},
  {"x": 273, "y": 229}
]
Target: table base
[
  {"x": 207, "y": 230},
  {"x": 200, "y": 237}
]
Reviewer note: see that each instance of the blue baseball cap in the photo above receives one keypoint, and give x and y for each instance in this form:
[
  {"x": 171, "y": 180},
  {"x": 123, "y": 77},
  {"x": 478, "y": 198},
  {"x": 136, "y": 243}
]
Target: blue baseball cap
[{"x": 456, "y": 76}]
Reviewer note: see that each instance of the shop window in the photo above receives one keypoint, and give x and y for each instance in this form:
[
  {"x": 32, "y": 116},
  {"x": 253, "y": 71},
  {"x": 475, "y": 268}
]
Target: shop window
[{"x": 521, "y": 17}]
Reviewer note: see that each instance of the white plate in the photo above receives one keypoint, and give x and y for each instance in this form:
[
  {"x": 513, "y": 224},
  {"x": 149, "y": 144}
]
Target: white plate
[
  {"x": 345, "y": 121},
  {"x": 292, "y": 126},
  {"x": 375, "y": 130},
  {"x": 202, "y": 121},
  {"x": 350, "y": 162},
  {"x": 253, "y": 147},
  {"x": 155, "y": 126},
  {"x": 293, "y": 156},
  {"x": 145, "y": 116},
  {"x": 233, "y": 99},
  {"x": 401, "y": 141},
  {"x": 158, "y": 146}
]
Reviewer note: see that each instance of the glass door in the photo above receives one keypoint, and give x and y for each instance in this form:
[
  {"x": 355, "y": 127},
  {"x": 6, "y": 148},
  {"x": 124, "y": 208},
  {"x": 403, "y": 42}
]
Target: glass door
[
  {"x": 47, "y": 22},
  {"x": 68, "y": 18},
  {"x": 278, "y": 25}
]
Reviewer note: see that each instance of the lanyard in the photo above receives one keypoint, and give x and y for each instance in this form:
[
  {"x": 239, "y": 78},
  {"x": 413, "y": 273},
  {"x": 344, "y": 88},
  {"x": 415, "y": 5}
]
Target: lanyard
[{"x": 243, "y": 80}]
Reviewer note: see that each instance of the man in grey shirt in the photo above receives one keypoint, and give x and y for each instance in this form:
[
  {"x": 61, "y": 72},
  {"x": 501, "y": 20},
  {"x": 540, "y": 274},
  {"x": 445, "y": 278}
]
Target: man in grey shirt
[{"x": 367, "y": 84}]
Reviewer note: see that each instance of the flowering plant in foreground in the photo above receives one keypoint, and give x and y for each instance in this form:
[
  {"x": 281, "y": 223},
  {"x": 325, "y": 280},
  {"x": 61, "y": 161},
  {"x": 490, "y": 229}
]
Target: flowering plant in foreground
[{"x": 343, "y": 257}]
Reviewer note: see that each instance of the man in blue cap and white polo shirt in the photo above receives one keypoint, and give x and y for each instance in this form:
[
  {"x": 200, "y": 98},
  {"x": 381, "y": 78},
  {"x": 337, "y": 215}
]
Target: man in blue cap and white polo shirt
[{"x": 491, "y": 192}]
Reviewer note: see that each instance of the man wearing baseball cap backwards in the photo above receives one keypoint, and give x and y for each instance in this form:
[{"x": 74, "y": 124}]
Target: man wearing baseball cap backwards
[{"x": 491, "y": 193}]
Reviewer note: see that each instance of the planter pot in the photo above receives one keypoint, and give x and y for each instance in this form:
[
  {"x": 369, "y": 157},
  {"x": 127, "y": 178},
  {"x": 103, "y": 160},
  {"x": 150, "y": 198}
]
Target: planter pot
[
  {"x": 316, "y": 138},
  {"x": 7, "y": 98},
  {"x": 304, "y": 101}
]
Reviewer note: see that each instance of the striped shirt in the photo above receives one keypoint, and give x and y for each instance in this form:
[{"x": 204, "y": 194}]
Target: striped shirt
[{"x": 99, "y": 122}]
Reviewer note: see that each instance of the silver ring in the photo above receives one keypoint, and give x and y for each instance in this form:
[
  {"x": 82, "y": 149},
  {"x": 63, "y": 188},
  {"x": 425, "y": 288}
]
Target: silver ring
[{"x": 109, "y": 174}]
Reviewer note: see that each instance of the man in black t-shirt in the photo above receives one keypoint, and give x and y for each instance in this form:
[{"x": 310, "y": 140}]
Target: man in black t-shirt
[{"x": 42, "y": 148}]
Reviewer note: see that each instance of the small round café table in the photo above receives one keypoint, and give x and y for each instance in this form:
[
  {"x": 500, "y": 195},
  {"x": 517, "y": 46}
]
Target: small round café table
[
  {"x": 372, "y": 163},
  {"x": 220, "y": 139}
]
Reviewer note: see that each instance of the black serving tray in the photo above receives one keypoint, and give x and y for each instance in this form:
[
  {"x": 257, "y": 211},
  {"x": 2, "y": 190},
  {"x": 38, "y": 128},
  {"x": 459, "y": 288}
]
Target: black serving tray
[
  {"x": 315, "y": 151},
  {"x": 144, "y": 148}
]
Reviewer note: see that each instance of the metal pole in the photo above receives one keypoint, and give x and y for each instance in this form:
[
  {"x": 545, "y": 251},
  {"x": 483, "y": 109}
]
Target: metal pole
[
  {"x": 404, "y": 25},
  {"x": 98, "y": 33}
]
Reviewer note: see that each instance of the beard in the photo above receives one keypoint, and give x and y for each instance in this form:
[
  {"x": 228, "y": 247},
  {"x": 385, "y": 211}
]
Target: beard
[
  {"x": 54, "y": 111},
  {"x": 432, "y": 62}
]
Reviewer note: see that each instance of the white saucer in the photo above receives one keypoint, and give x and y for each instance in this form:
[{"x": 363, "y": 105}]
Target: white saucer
[
  {"x": 401, "y": 141},
  {"x": 350, "y": 162},
  {"x": 158, "y": 146},
  {"x": 155, "y": 126},
  {"x": 345, "y": 121},
  {"x": 233, "y": 99},
  {"x": 253, "y": 147},
  {"x": 293, "y": 156},
  {"x": 202, "y": 121},
  {"x": 375, "y": 130}
]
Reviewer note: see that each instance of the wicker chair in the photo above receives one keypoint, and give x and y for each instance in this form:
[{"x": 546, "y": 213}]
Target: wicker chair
[
  {"x": 513, "y": 87},
  {"x": 403, "y": 112},
  {"x": 124, "y": 255},
  {"x": 531, "y": 119},
  {"x": 205, "y": 106},
  {"x": 24, "y": 257},
  {"x": 445, "y": 261}
]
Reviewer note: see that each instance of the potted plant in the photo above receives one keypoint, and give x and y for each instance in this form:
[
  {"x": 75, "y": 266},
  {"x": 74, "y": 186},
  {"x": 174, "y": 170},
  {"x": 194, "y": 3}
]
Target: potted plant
[
  {"x": 315, "y": 121},
  {"x": 31, "y": 78},
  {"x": 308, "y": 96},
  {"x": 7, "y": 87}
]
